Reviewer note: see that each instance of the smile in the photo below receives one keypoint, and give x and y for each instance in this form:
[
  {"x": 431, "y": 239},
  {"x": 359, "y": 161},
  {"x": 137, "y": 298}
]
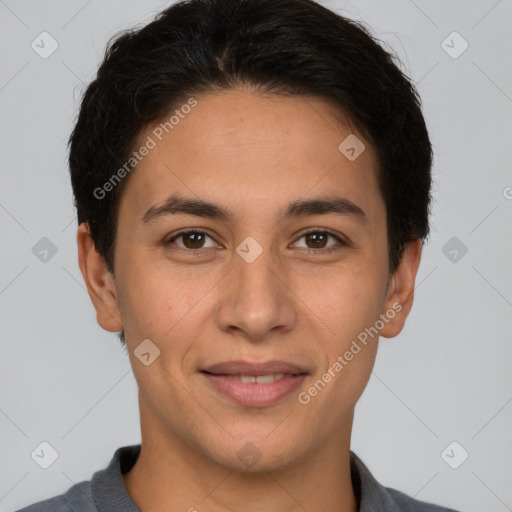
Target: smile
[{"x": 255, "y": 391}]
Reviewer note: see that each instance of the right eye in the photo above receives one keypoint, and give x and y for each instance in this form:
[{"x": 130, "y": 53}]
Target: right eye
[{"x": 192, "y": 240}]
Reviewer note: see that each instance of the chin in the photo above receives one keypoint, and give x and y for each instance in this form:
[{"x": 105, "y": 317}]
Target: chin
[{"x": 255, "y": 454}]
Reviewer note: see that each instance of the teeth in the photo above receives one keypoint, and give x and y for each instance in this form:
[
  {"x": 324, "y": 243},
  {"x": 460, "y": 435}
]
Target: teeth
[
  {"x": 267, "y": 379},
  {"x": 260, "y": 379}
]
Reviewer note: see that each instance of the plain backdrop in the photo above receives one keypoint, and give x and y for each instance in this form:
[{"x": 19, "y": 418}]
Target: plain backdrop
[{"x": 445, "y": 379}]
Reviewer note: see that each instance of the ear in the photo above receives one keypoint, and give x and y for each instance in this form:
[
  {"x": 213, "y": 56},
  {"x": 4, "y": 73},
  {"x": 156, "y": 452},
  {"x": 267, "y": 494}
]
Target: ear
[
  {"x": 99, "y": 281},
  {"x": 400, "y": 292}
]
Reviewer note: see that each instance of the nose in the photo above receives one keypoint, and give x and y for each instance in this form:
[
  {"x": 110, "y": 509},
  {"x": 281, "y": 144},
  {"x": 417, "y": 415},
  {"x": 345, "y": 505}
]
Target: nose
[{"x": 257, "y": 301}]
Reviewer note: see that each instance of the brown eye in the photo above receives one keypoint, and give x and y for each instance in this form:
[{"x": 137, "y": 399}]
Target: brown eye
[
  {"x": 191, "y": 240},
  {"x": 316, "y": 241}
]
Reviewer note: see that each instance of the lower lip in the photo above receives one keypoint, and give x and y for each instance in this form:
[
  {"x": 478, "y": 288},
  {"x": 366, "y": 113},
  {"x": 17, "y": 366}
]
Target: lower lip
[{"x": 253, "y": 394}]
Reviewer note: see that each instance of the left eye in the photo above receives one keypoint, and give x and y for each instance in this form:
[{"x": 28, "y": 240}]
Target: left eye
[{"x": 319, "y": 240}]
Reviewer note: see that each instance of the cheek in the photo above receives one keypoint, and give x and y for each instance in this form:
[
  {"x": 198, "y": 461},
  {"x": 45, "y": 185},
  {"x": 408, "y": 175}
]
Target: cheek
[
  {"x": 143, "y": 299},
  {"x": 166, "y": 305},
  {"x": 345, "y": 300},
  {"x": 347, "y": 309},
  {"x": 351, "y": 352},
  {"x": 351, "y": 381}
]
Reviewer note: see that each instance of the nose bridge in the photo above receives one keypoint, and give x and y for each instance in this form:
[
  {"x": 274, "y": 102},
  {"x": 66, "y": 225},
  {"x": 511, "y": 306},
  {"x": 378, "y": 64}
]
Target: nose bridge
[
  {"x": 258, "y": 279},
  {"x": 256, "y": 299}
]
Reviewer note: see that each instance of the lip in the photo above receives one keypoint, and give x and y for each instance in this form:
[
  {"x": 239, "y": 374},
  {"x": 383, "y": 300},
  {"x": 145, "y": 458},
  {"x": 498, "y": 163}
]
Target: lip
[
  {"x": 240, "y": 367},
  {"x": 221, "y": 376},
  {"x": 254, "y": 394}
]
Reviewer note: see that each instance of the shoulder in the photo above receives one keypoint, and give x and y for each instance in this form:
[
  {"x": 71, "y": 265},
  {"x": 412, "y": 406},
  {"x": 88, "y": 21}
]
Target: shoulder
[
  {"x": 405, "y": 503},
  {"x": 77, "y": 499},
  {"x": 104, "y": 491},
  {"x": 374, "y": 496}
]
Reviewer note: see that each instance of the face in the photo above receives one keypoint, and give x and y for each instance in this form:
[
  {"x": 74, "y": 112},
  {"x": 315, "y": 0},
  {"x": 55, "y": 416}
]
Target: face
[{"x": 279, "y": 270}]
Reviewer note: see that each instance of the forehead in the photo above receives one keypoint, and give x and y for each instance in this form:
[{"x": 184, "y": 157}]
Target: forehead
[{"x": 237, "y": 147}]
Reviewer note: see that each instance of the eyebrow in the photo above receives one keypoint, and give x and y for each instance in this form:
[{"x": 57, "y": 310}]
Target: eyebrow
[{"x": 176, "y": 204}]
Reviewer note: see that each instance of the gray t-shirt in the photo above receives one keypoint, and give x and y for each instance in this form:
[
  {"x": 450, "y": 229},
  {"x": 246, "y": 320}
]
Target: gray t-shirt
[{"x": 106, "y": 491}]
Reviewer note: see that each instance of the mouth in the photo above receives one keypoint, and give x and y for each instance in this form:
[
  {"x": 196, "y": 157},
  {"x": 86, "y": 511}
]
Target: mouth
[{"x": 255, "y": 384}]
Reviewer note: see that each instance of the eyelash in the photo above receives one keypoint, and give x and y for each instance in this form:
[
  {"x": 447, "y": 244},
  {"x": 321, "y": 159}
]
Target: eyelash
[{"x": 341, "y": 242}]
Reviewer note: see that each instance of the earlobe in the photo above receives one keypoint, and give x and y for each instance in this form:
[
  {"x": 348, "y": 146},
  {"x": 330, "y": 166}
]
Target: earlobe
[
  {"x": 99, "y": 281},
  {"x": 401, "y": 290}
]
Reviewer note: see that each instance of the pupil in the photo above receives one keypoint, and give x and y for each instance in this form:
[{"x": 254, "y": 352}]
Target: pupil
[
  {"x": 316, "y": 236},
  {"x": 196, "y": 240}
]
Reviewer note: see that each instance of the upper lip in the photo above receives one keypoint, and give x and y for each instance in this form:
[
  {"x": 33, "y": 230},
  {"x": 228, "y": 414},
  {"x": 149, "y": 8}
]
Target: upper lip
[{"x": 239, "y": 367}]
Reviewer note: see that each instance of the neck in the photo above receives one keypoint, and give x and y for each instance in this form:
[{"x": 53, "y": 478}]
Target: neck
[{"x": 173, "y": 476}]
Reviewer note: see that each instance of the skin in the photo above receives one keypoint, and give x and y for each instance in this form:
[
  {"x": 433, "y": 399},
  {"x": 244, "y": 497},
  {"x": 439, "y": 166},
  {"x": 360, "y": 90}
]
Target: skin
[{"x": 252, "y": 154}]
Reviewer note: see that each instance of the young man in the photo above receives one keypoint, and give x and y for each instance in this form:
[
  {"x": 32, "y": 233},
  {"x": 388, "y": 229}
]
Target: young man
[{"x": 252, "y": 181}]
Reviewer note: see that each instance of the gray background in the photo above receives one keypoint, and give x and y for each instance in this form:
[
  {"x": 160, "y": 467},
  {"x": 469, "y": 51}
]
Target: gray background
[{"x": 445, "y": 378}]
